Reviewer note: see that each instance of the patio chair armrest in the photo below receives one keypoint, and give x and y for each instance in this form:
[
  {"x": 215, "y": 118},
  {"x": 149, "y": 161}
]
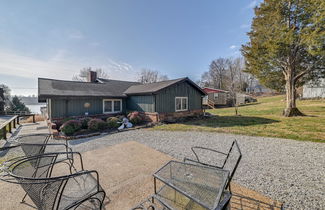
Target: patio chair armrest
[
  {"x": 195, "y": 148},
  {"x": 202, "y": 163},
  {"x": 67, "y": 148}
]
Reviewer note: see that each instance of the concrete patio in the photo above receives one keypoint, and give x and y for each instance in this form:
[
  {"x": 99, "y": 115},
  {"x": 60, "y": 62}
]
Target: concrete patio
[{"x": 125, "y": 172}]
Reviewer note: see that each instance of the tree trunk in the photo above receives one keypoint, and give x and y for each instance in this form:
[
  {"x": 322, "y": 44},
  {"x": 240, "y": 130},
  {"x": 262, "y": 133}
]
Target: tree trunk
[{"x": 291, "y": 108}]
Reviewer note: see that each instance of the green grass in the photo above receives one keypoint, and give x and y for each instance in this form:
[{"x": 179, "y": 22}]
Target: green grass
[{"x": 263, "y": 118}]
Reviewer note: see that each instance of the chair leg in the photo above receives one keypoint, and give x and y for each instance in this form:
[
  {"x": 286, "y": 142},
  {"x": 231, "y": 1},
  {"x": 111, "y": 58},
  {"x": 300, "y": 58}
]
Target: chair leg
[{"x": 23, "y": 200}]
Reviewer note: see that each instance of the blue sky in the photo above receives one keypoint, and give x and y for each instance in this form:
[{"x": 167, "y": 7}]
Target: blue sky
[{"x": 55, "y": 39}]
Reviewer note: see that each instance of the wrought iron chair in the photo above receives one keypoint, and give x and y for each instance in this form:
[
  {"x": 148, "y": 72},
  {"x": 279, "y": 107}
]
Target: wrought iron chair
[
  {"x": 37, "y": 138},
  {"x": 31, "y": 145},
  {"x": 49, "y": 186},
  {"x": 39, "y": 142},
  {"x": 229, "y": 160}
]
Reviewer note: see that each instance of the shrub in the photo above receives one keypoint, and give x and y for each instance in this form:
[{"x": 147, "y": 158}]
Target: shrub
[
  {"x": 59, "y": 123},
  {"x": 84, "y": 122},
  {"x": 97, "y": 124},
  {"x": 70, "y": 127},
  {"x": 135, "y": 118},
  {"x": 112, "y": 122}
]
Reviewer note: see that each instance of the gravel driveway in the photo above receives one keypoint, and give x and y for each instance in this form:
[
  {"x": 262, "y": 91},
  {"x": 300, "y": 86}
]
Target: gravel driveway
[{"x": 286, "y": 170}]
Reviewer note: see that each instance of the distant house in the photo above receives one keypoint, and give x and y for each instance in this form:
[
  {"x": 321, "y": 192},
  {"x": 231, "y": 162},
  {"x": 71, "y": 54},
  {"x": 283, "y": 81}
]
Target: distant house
[
  {"x": 157, "y": 101},
  {"x": 258, "y": 89},
  {"x": 314, "y": 90},
  {"x": 2, "y": 100},
  {"x": 217, "y": 96}
]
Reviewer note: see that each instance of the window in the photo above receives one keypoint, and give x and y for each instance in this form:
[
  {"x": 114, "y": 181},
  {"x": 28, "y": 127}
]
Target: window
[
  {"x": 216, "y": 95},
  {"x": 112, "y": 105},
  {"x": 117, "y": 106},
  {"x": 181, "y": 104}
]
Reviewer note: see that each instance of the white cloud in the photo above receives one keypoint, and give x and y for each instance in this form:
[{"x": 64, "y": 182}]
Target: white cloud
[
  {"x": 233, "y": 47},
  {"x": 75, "y": 34},
  {"x": 59, "y": 66},
  {"x": 24, "y": 66}
]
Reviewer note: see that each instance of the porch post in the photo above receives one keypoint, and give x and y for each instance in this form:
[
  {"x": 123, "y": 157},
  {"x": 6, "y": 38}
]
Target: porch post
[{"x": 4, "y": 133}]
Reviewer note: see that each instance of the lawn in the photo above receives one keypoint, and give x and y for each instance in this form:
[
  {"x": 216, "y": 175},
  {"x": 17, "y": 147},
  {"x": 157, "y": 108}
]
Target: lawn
[{"x": 263, "y": 118}]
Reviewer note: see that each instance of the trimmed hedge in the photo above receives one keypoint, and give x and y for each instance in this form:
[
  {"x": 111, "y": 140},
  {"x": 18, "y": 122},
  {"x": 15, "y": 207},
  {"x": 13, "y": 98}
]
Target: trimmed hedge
[
  {"x": 70, "y": 127},
  {"x": 84, "y": 122},
  {"x": 112, "y": 122},
  {"x": 97, "y": 124}
]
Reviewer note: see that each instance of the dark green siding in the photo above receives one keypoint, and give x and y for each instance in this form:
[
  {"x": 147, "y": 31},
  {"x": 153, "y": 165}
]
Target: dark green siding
[
  {"x": 165, "y": 99},
  {"x": 141, "y": 103},
  {"x": 75, "y": 107}
]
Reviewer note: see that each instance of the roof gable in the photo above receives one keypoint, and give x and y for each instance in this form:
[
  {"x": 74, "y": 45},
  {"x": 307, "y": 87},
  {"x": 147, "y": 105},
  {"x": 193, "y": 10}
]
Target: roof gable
[
  {"x": 213, "y": 90},
  {"x": 152, "y": 88}
]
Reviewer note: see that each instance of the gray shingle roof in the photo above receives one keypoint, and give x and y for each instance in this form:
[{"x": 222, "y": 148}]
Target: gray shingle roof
[
  {"x": 103, "y": 88},
  {"x": 111, "y": 88},
  {"x": 157, "y": 86}
]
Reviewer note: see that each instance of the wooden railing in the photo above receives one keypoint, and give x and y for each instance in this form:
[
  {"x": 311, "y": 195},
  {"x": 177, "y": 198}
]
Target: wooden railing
[
  {"x": 208, "y": 103},
  {"x": 19, "y": 114},
  {"x": 8, "y": 125}
]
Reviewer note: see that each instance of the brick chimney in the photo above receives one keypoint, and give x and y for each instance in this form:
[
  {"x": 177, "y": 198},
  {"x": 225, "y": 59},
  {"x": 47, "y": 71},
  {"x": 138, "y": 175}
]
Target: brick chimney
[{"x": 92, "y": 76}]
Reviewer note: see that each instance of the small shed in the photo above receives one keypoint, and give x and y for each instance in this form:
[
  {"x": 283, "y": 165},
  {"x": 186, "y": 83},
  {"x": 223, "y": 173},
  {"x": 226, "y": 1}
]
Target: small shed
[
  {"x": 217, "y": 96},
  {"x": 314, "y": 90}
]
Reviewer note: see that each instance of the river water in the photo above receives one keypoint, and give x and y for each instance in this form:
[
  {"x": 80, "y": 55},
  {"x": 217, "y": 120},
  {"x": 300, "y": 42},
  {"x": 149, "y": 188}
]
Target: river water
[{"x": 36, "y": 108}]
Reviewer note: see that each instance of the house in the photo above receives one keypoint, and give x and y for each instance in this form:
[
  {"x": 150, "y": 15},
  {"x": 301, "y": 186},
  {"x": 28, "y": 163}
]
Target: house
[
  {"x": 158, "y": 101},
  {"x": 217, "y": 97},
  {"x": 2, "y": 100},
  {"x": 258, "y": 90},
  {"x": 314, "y": 90}
]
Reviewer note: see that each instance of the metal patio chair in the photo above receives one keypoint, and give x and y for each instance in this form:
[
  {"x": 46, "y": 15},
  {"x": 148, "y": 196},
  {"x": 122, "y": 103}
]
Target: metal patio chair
[
  {"x": 51, "y": 187},
  {"x": 228, "y": 160},
  {"x": 20, "y": 150},
  {"x": 39, "y": 142}
]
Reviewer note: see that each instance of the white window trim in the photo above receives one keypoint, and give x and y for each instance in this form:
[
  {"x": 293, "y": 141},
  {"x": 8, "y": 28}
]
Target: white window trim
[
  {"x": 180, "y": 110},
  {"x": 113, "y": 111}
]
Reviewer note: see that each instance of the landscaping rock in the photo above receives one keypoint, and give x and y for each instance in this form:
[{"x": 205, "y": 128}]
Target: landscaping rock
[{"x": 285, "y": 170}]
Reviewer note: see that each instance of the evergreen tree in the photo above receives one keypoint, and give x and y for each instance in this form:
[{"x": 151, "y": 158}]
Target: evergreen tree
[
  {"x": 287, "y": 46},
  {"x": 17, "y": 105}
]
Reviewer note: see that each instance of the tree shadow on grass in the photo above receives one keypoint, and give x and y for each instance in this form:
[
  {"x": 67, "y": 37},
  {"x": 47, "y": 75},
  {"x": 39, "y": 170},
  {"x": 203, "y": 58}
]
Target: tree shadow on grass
[{"x": 230, "y": 121}]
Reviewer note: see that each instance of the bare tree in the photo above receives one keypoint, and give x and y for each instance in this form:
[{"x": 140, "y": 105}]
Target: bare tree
[
  {"x": 217, "y": 71},
  {"x": 150, "y": 76},
  {"x": 205, "y": 80},
  {"x": 83, "y": 74},
  {"x": 235, "y": 73},
  {"x": 217, "y": 76},
  {"x": 163, "y": 77},
  {"x": 6, "y": 90}
]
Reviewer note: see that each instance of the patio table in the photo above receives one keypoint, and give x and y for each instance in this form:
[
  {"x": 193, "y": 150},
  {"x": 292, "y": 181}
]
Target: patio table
[{"x": 190, "y": 186}]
